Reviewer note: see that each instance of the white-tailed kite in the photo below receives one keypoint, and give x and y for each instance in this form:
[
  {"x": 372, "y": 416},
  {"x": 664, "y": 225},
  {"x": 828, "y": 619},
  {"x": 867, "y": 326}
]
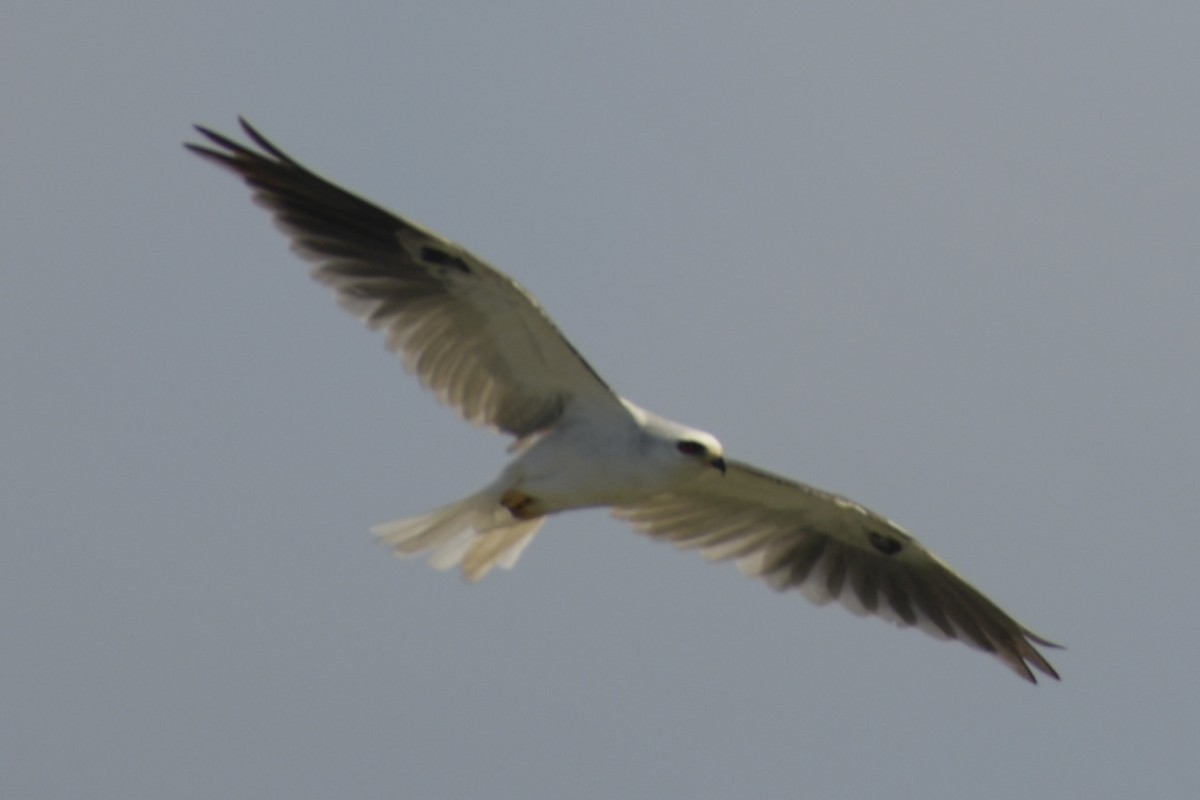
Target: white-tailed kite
[{"x": 486, "y": 348}]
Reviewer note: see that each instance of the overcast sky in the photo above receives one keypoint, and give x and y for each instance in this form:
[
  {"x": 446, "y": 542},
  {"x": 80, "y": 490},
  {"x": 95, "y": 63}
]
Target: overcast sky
[{"x": 939, "y": 257}]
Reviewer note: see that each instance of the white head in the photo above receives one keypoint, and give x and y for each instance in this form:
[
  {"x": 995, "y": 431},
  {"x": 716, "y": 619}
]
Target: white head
[{"x": 686, "y": 446}]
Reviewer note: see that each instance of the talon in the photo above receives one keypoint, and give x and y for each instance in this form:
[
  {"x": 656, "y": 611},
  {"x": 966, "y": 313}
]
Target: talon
[{"x": 519, "y": 504}]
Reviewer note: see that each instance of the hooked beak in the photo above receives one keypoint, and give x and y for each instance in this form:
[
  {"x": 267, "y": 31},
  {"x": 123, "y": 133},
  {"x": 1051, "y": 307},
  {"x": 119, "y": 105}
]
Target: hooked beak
[{"x": 719, "y": 463}]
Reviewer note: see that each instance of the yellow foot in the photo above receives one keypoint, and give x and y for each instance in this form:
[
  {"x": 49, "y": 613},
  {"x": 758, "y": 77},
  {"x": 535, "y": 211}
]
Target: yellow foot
[{"x": 519, "y": 504}]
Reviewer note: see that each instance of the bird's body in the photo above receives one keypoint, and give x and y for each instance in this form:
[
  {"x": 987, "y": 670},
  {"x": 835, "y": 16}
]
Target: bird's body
[
  {"x": 577, "y": 464},
  {"x": 486, "y": 348},
  {"x": 633, "y": 455}
]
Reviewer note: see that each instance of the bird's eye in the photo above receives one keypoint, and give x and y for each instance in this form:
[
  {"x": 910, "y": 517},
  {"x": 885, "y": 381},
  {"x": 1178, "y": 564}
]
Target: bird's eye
[{"x": 691, "y": 448}]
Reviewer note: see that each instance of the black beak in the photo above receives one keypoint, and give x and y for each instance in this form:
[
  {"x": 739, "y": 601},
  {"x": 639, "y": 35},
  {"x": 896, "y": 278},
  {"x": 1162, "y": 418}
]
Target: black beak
[{"x": 719, "y": 463}]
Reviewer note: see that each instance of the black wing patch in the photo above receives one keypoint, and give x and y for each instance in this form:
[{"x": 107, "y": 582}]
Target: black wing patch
[{"x": 888, "y": 545}]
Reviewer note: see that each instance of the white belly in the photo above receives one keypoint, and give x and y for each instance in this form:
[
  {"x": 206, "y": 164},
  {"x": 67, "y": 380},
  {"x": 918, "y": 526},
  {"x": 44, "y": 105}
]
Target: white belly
[{"x": 581, "y": 467}]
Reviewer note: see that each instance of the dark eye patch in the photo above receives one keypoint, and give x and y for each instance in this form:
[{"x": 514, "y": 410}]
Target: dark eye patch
[{"x": 691, "y": 448}]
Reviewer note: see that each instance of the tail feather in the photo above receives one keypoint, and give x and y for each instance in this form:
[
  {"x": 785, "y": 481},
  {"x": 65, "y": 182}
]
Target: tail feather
[
  {"x": 498, "y": 548},
  {"x": 475, "y": 534}
]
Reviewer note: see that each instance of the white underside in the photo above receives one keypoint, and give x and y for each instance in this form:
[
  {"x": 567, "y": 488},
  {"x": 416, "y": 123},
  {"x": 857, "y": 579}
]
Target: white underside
[{"x": 601, "y": 460}]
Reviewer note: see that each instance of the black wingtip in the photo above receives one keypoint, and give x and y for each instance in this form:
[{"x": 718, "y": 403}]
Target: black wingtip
[
  {"x": 230, "y": 150},
  {"x": 263, "y": 142}
]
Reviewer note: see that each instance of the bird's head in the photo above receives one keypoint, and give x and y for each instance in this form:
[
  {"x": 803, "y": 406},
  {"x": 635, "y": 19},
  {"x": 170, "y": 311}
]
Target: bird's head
[{"x": 688, "y": 449}]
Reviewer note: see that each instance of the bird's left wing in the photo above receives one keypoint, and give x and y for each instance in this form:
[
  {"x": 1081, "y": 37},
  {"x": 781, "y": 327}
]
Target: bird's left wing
[
  {"x": 468, "y": 331},
  {"x": 830, "y": 548}
]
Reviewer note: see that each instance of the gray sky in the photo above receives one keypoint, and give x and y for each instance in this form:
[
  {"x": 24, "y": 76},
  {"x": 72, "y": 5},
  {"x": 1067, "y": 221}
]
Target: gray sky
[{"x": 942, "y": 260}]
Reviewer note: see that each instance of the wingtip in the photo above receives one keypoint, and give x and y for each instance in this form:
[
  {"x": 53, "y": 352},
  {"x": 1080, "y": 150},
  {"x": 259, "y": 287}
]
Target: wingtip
[
  {"x": 246, "y": 126},
  {"x": 213, "y": 138},
  {"x": 263, "y": 142},
  {"x": 1032, "y": 657}
]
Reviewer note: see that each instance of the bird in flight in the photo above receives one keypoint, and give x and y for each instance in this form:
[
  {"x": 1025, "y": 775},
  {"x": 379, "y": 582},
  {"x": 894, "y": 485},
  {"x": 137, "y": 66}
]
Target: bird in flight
[{"x": 486, "y": 348}]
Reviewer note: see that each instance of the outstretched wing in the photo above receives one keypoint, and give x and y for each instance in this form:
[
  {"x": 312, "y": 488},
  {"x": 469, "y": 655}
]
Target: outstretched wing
[
  {"x": 830, "y": 548},
  {"x": 468, "y": 331}
]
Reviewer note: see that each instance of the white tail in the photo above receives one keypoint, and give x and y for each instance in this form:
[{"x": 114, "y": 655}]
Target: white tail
[{"x": 475, "y": 534}]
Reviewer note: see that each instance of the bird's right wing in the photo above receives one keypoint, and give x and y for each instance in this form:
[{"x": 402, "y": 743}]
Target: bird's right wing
[
  {"x": 831, "y": 548},
  {"x": 468, "y": 331}
]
